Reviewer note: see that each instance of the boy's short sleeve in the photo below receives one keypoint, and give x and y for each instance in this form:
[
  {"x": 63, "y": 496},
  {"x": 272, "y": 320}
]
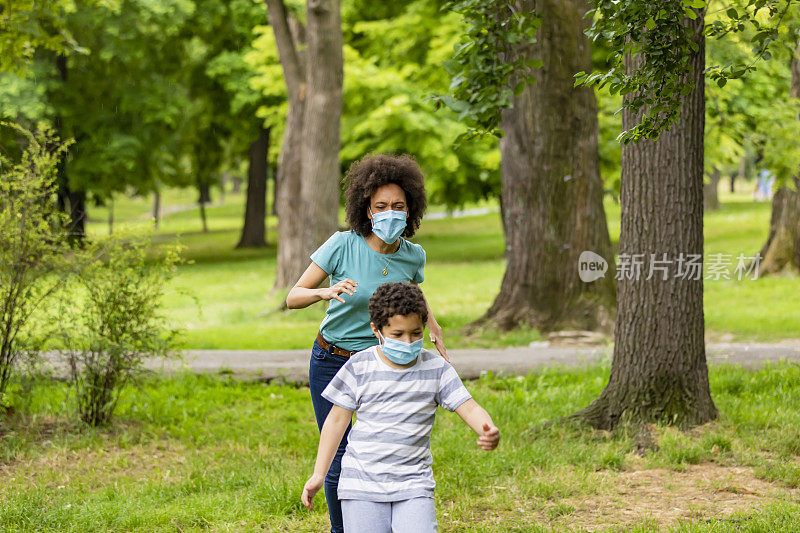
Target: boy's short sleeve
[
  {"x": 419, "y": 275},
  {"x": 343, "y": 388},
  {"x": 452, "y": 391},
  {"x": 328, "y": 256}
]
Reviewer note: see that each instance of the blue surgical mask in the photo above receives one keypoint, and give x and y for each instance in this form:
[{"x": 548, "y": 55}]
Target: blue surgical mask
[
  {"x": 400, "y": 352},
  {"x": 388, "y": 225}
]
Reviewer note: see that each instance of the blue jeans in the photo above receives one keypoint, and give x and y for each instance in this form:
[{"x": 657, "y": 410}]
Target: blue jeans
[{"x": 321, "y": 370}]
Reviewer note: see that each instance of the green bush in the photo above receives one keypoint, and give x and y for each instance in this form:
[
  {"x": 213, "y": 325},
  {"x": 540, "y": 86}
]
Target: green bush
[
  {"x": 112, "y": 320},
  {"x": 32, "y": 247}
]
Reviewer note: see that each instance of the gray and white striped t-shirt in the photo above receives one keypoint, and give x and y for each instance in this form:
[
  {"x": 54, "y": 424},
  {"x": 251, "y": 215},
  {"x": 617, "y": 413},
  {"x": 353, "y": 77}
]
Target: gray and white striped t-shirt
[{"x": 388, "y": 455}]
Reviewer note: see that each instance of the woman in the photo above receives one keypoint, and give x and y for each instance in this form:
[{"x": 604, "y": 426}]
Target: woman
[{"x": 385, "y": 201}]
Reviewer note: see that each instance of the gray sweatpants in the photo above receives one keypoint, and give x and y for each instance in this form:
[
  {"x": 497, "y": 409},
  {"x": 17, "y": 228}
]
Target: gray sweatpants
[{"x": 417, "y": 515}]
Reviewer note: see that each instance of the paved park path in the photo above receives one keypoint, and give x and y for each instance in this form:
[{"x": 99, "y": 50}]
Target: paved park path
[{"x": 292, "y": 365}]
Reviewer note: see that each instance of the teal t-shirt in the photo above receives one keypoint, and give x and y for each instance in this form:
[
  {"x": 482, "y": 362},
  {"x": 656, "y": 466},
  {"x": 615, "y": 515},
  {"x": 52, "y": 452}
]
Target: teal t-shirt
[{"x": 347, "y": 255}]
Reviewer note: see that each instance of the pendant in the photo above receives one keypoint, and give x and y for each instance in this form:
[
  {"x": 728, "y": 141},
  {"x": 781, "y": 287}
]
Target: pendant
[{"x": 384, "y": 272}]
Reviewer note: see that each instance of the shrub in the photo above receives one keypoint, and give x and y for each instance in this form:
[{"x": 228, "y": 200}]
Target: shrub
[
  {"x": 32, "y": 247},
  {"x": 113, "y": 320}
]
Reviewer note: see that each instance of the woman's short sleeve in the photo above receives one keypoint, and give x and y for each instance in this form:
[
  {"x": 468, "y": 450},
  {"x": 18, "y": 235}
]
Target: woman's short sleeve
[
  {"x": 419, "y": 275},
  {"x": 328, "y": 256}
]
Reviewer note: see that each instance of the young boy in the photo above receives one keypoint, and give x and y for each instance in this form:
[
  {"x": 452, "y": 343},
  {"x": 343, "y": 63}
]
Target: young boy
[{"x": 386, "y": 483}]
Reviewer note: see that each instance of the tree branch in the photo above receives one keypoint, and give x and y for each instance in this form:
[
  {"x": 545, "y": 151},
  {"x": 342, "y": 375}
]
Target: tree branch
[{"x": 293, "y": 68}]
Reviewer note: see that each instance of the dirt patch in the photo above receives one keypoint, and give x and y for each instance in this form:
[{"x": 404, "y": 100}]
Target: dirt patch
[
  {"x": 665, "y": 497},
  {"x": 56, "y": 467}
]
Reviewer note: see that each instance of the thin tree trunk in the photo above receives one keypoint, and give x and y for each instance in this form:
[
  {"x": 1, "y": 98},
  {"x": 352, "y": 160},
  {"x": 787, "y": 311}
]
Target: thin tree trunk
[
  {"x": 253, "y": 231},
  {"x": 273, "y": 170},
  {"x": 552, "y": 195},
  {"x": 203, "y": 198},
  {"x": 65, "y": 194},
  {"x": 111, "y": 215},
  {"x": 782, "y": 249},
  {"x": 77, "y": 216},
  {"x": 659, "y": 370},
  {"x": 156, "y": 207},
  {"x": 291, "y": 252},
  {"x": 711, "y": 191},
  {"x": 237, "y": 184}
]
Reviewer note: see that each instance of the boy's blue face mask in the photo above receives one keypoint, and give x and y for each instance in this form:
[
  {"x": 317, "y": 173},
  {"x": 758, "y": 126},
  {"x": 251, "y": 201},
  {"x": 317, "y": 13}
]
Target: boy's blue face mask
[
  {"x": 388, "y": 225},
  {"x": 400, "y": 352}
]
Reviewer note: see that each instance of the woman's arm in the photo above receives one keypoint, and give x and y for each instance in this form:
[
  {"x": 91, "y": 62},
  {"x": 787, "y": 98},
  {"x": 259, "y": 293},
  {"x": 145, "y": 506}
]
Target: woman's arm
[
  {"x": 435, "y": 331},
  {"x": 332, "y": 432},
  {"x": 481, "y": 423},
  {"x": 305, "y": 291}
]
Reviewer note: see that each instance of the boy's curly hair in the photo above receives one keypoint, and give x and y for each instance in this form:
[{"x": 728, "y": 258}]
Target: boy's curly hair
[
  {"x": 373, "y": 171},
  {"x": 392, "y": 299}
]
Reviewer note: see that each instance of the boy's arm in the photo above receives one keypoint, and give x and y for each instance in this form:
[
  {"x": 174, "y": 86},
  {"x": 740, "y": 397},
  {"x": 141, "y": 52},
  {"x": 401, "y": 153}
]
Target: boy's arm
[
  {"x": 331, "y": 435},
  {"x": 481, "y": 423}
]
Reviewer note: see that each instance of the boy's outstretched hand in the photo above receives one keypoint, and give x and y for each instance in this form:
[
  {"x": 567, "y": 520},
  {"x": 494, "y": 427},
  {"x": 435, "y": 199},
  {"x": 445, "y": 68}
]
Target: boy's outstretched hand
[
  {"x": 310, "y": 489},
  {"x": 490, "y": 438}
]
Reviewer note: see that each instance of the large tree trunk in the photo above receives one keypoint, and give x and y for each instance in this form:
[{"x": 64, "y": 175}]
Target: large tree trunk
[
  {"x": 552, "y": 195},
  {"x": 254, "y": 229},
  {"x": 308, "y": 170},
  {"x": 782, "y": 249},
  {"x": 325, "y": 75},
  {"x": 659, "y": 370}
]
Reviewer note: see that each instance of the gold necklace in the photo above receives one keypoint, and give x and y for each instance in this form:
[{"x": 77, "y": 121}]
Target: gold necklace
[{"x": 391, "y": 256}]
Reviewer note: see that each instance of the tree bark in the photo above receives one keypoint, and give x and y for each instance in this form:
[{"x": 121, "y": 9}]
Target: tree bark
[
  {"x": 308, "y": 167},
  {"x": 273, "y": 171},
  {"x": 659, "y": 370},
  {"x": 782, "y": 249},
  {"x": 321, "y": 142},
  {"x": 254, "y": 229},
  {"x": 711, "y": 191},
  {"x": 552, "y": 194}
]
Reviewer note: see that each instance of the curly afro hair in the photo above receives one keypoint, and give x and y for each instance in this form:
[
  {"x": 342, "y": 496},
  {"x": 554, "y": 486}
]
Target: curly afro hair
[
  {"x": 392, "y": 299},
  {"x": 373, "y": 171}
]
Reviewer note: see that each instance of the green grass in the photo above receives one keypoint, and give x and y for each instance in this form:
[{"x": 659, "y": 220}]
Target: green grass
[
  {"x": 191, "y": 453},
  {"x": 234, "y": 305}
]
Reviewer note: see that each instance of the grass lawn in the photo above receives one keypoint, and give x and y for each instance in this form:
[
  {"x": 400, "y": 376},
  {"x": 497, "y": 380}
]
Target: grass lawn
[
  {"x": 191, "y": 453},
  {"x": 232, "y": 305}
]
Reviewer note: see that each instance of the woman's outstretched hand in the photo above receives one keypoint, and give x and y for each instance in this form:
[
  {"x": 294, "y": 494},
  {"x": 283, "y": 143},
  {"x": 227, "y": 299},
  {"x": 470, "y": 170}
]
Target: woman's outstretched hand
[
  {"x": 490, "y": 438},
  {"x": 437, "y": 338},
  {"x": 310, "y": 489},
  {"x": 346, "y": 286}
]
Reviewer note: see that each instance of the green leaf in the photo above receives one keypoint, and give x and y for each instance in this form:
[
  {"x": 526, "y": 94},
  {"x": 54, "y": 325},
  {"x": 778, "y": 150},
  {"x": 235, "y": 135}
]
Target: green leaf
[
  {"x": 650, "y": 24},
  {"x": 732, "y": 13},
  {"x": 721, "y": 81},
  {"x": 519, "y": 88}
]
